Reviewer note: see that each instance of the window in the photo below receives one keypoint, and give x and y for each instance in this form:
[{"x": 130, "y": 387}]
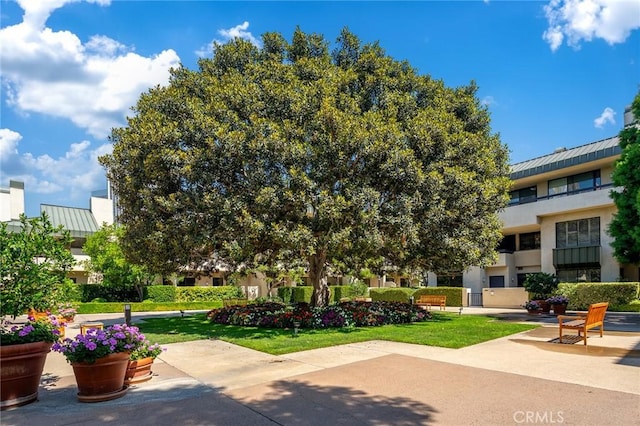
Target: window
[
  {"x": 524, "y": 195},
  {"x": 187, "y": 282},
  {"x": 575, "y": 184},
  {"x": 508, "y": 244},
  {"x": 530, "y": 241},
  {"x": 217, "y": 281},
  {"x": 454, "y": 280},
  {"x": 521, "y": 278},
  {"x": 578, "y": 233},
  {"x": 591, "y": 275}
]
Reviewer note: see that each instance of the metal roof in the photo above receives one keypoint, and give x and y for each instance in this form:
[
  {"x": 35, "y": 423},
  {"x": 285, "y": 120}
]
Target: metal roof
[
  {"x": 79, "y": 222},
  {"x": 566, "y": 158}
]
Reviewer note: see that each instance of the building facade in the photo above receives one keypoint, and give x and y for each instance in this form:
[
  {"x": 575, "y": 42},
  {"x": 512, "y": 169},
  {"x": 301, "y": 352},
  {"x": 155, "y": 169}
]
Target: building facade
[{"x": 557, "y": 221}]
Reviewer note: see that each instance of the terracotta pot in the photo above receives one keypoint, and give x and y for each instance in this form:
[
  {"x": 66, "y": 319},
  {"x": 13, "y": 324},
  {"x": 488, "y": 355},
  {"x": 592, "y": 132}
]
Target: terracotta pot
[
  {"x": 139, "y": 371},
  {"x": 20, "y": 370},
  {"x": 534, "y": 311},
  {"x": 38, "y": 314},
  {"x": 560, "y": 309},
  {"x": 102, "y": 380},
  {"x": 544, "y": 306}
]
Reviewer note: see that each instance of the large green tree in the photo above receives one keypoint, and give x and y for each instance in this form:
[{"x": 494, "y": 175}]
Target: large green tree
[
  {"x": 292, "y": 151},
  {"x": 625, "y": 226}
]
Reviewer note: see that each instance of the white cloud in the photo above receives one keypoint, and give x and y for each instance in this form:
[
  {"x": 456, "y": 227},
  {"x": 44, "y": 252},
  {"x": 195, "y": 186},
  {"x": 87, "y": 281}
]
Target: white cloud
[
  {"x": 585, "y": 20},
  {"x": 93, "y": 84},
  {"x": 607, "y": 116},
  {"x": 76, "y": 172},
  {"x": 239, "y": 31}
]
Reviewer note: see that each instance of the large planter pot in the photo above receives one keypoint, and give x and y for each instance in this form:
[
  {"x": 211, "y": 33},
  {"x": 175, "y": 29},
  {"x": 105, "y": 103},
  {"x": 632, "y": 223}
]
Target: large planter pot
[
  {"x": 20, "y": 370},
  {"x": 103, "y": 380},
  {"x": 139, "y": 371},
  {"x": 560, "y": 309},
  {"x": 544, "y": 306}
]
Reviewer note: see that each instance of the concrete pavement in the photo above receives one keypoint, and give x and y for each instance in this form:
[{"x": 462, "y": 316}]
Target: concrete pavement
[{"x": 518, "y": 379}]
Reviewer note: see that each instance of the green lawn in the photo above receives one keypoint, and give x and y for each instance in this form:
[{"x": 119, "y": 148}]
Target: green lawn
[{"x": 447, "y": 330}]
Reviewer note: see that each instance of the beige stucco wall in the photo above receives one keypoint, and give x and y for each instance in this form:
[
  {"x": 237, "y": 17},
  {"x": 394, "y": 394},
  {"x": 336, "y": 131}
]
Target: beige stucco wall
[{"x": 504, "y": 297}]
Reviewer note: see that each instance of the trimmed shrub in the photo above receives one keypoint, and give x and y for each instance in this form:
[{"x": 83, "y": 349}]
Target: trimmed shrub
[
  {"x": 285, "y": 294},
  {"x": 340, "y": 291},
  {"x": 118, "y": 307},
  {"x": 581, "y": 295},
  {"x": 301, "y": 294},
  {"x": 454, "y": 294},
  {"x": 391, "y": 294},
  {"x": 161, "y": 293},
  {"x": 205, "y": 294},
  {"x": 110, "y": 294}
]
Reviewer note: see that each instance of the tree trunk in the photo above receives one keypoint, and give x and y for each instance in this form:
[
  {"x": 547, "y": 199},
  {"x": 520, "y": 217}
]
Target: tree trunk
[{"x": 318, "y": 278}]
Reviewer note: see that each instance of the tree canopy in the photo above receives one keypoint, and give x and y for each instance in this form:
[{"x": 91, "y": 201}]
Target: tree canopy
[
  {"x": 625, "y": 225},
  {"x": 290, "y": 153}
]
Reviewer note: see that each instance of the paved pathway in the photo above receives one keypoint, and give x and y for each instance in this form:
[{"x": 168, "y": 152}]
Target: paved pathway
[{"x": 519, "y": 379}]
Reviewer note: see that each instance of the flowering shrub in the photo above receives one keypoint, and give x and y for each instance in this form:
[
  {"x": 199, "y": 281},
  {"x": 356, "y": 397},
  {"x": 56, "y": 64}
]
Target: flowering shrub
[
  {"x": 99, "y": 343},
  {"x": 531, "y": 305},
  {"x": 558, "y": 300},
  {"x": 146, "y": 350},
  {"x": 346, "y": 314},
  {"x": 42, "y": 330}
]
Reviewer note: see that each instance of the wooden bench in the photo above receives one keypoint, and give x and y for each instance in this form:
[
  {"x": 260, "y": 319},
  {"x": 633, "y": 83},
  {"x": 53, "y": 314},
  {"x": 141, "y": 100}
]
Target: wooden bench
[
  {"x": 584, "y": 322},
  {"x": 234, "y": 301},
  {"x": 427, "y": 301}
]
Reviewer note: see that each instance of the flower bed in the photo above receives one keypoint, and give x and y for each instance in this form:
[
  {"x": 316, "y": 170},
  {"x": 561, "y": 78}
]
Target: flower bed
[{"x": 346, "y": 314}]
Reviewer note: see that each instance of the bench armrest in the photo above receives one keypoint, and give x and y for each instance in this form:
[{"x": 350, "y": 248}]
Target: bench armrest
[{"x": 570, "y": 317}]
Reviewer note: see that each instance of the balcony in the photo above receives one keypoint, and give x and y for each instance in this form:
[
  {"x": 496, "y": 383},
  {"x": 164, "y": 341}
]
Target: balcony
[
  {"x": 522, "y": 215},
  {"x": 576, "y": 257}
]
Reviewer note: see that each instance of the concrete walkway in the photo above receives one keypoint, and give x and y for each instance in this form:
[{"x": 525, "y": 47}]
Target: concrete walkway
[{"x": 519, "y": 379}]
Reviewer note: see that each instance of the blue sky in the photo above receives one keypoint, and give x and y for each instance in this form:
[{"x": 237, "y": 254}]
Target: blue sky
[{"x": 553, "y": 73}]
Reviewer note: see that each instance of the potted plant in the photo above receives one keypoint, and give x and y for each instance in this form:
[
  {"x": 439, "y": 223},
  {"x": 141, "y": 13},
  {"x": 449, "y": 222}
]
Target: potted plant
[
  {"x": 532, "y": 307},
  {"x": 558, "y": 304},
  {"x": 541, "y": 286},
  {"x": 23, "y": 351},
  {"x": 140, "y": 362},
  {"x": 99, "y": 359},
  {"x": 34, "y": 260}
]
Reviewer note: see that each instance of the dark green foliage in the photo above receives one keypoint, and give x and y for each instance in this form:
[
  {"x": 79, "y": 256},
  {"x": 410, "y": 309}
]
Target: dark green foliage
[
  {"x": 91, "y": 292},
  {"x": 454, "y": 294},
  {"x": 289, "y": 155},
  {"x": 582, "y": 295},
  {"x": 540, "y": 285},
  {"x": 391, "y": 294},
  {"x": 625, "y": 225},
  {"x": 161, "y": 293}
]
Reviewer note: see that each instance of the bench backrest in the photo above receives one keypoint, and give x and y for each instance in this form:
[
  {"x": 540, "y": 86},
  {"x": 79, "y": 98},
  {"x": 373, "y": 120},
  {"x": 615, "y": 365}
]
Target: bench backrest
[
  {"x": 596, "y": 313},
  {"x": 432, "y": 297}
]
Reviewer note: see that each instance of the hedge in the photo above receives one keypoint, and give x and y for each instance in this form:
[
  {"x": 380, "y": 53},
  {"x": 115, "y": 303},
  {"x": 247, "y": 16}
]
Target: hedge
[
  {"x": 161, "y": 293},
  {"x": 581, "y": 295},
  {"x": 118, "y": 307},
  {"x": 340, "y": 291},
  {"x": 90, "y": 292},
  {"x": 204, "y": 294},
  {"x": 398, "y": 294}
]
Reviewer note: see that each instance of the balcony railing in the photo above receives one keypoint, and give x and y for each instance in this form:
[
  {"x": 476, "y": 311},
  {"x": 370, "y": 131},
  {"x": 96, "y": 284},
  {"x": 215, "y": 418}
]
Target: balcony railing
[
  {"x": 564, "y": 194},
  {"x": 576, "y": 257}
]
